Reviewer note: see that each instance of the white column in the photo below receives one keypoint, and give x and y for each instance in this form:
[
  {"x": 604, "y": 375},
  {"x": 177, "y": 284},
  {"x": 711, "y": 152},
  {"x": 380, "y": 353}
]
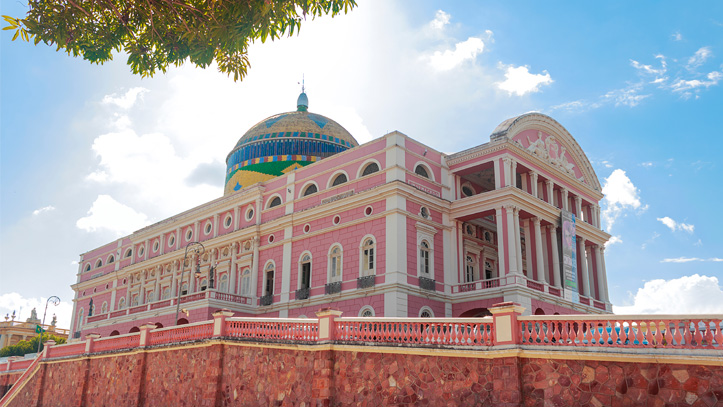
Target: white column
[
  {"x": 236, "y": 212},
  {"x": 513, "y": 173},
  {"x": 591, "y": 277},
  {"x": 174, "y": 278},
  {"x": 550, "y": 189},
  {"x": 215, "y": 225},
  {"x": 161, "y": 244},
  {"x": 232, "y": 270},
  {"x": 555, "y": 257},
  {"x": 518, "y": 240},
  {"x": 498, "y": 178},
  {"x": 605, "y": 297},
  {"x": 255, "y": 269},
  {"x": 545, "y": 255},
  {"x": 512, "y": 247},
  {"x": 563, "y": 195},
  {"x": 482, "y": 259},
  {"x": 500, "y": 243},
  {"x": 178, "y": 238},
  {"x": 112, "y": 296},
  {"x": 596, "y": 215},
  {"x": 528, "y": 247},
  {"x": 600, "y": 273},
  {"x": 582, "y": 253},
  {"x": 538, "y": 251},
  {"x": 578, "y": 207},
  {"x": 533, "y": 183},
  {"x": 507, "y": 165}
]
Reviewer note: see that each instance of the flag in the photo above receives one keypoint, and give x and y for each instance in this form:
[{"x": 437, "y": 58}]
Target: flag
[{"x": 39, "y": 329}]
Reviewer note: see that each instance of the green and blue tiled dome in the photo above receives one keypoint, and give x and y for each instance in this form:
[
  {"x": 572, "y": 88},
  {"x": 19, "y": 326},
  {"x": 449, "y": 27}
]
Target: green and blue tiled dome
[{"x": 282, "y": 143}]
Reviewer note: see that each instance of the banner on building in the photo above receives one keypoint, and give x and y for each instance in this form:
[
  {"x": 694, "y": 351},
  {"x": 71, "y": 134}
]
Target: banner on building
[{"x": 569, "y": 256}]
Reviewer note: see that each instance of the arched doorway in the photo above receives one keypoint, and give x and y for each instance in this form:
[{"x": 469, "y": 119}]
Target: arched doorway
[
  {"x": 159, "y": 325},
  {"x": 182, "y": 321},
  {"x": 115, "y": 333},
  {"x": 134, "y": 330},
  {"x": 476, "y": 313},
  {"x": 539, "y": 311}
]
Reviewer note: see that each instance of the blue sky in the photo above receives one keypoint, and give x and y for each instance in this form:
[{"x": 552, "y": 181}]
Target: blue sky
[{"x": 90, "y": 152}]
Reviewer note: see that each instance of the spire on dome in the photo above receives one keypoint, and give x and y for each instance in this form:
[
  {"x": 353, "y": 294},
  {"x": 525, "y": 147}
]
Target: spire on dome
[{"x": 302, "y": 103}]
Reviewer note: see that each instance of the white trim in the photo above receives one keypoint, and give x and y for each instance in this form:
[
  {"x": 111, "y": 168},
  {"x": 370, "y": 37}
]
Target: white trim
[
  {"x": 108, "y": 259},
  {"x": 426, "y": 168},
  {"x": 171, "y": 240},
  {"x": 375, "y": 247},
  {"x": 99, "y": 265},
  {"x": 156, "y": 245},
  {"x": 311, "y": 268},
  {"x": 228, "y": 220},
  {"x": 339, "y": 278},
  {"x": 207, "y": 227},
  {"x": 271, "y": 198},
  {"x": 263, "y": 280},
  {"x": 306, "y": 185},
  {"x": 427, "y": 309}
]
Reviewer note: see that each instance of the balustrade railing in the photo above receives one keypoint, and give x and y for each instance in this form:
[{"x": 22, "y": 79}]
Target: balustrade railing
[
  {"x": 427, "y": 284},
  {"x": 67, "y": 350},
  {"x": 138, "y": 309},
  {"x": 332, "y": 288},
  {"x": 302, "y": 293},
  {"x": 417, "y": 331},
  {"x": 476, "y": 285},
  {"x": 365, "y": 281},
  {"x": 290, "y": 329},
  {"x": 160, "y": 304},
  {"x": 632, "y": 331},
  {"x": 116, "y": 342},
  {"x": 182, "y": 333},
  {"x": 230, "y": 297}
]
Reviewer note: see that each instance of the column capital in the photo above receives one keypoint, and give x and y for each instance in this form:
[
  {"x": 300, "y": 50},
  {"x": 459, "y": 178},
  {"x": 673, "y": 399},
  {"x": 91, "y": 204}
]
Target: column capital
[
  {"x": 549, "y": 182},
  {"x": 533, "y": 174},
  {"x": 509, "y": 207},
  {"x": 564, "y": 189},
  {"x": 535, "y": 220}
]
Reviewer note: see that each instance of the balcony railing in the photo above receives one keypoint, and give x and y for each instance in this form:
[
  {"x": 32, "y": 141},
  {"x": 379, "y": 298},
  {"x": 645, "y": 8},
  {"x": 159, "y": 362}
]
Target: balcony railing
[
  {"x": 267, "y": 299},
  {"x": 365, "y": 282},
  {"x": 302, "y": 293},
  {"x": 427, "y": 284},
  {"x": 332, "y": 288}
]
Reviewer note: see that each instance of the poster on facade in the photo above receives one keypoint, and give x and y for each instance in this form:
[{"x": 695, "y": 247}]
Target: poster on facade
[{"x": 569, "y": 256}]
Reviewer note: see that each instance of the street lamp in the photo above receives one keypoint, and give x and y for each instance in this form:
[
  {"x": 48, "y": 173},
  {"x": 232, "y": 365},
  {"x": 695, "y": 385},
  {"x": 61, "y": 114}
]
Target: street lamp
[
  {"x": 197, "y": 248},
  {"x": 55, "y": 300}
]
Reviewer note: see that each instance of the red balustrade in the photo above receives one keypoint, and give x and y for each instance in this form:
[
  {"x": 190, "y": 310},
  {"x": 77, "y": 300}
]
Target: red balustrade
[
  {"x": 117, "y": 342},
  {"x": 553, "y": 291},
  {"x": 181, "y": 333},
  {"x": 160, "y": 304},
  {"x": 584, "y": 301},
  {"x": 623, "y": 331},
  {"x": 70, "y": 349},
  {"x": 230, "y": 297},
  {"x": 20, "y": 364},
  {"x": 193, "y": 297},
  {"x": 417, "y": 331},
  {"x": 277, "y": 329},
  {"x": 598, "y": 305}
]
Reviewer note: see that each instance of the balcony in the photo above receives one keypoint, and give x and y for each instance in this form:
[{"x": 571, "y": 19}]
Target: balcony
[
  {"x": 302, "y": 293},
  {"x": 332, "y": 288},
  {"x": 427, "y": 284},
  {"x": 267, "y": 300},
  {"x": 365, "y": 282}
]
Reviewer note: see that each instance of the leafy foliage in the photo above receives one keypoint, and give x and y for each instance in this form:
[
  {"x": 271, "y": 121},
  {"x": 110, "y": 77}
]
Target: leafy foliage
[
  {"x": 158, "y": 33},
  {"x": 29, "y": 346}
]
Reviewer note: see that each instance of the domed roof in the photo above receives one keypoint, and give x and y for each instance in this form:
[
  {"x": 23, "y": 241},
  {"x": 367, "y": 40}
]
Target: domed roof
[{"x": 282, "y": 142}]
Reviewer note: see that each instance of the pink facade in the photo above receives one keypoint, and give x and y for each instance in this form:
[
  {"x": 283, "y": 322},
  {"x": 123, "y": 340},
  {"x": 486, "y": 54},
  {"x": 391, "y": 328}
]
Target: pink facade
[{"x": 425, "y": 233}]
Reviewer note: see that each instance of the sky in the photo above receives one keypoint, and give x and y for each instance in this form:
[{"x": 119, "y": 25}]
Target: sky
[{"x": 90, "y": 153}]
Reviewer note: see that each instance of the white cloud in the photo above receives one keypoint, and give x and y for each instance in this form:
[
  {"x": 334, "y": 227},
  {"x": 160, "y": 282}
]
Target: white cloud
[
  {"x": 699, "y": 57},
  {"x": 677, "y": 36},
  {"x": 48, "y": 208},
  {"x": 23, "y": 306},
  {"x": 626, "y": 97},
  {"x": 651, "y": 240},
  {"x": 648, "y": 69},
  {"x": 613, "y": 240},
  {"x": 463, "y": 51},
  {"x": 647, "y": 164},
  {"x": 520, "y": 81},
  {"x": 685, "y": 295},
  {"x": 107, "y": 213},
  {"x": 620, "y": 195},
  {"x": 441, "y": 19},
  {"x": 715, "y": 259},
  {"x": 673, "y": 225},
  {"x": 127, "y": 100},
  {"x": 682, "y": 85},
  {"x": 681, "y": 260}
]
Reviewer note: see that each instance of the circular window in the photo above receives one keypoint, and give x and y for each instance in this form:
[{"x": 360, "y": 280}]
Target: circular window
[
  {"x": 336, "y": 219},
  {"x": 207, "y": 228},
  {"x": 171, "y": 240},
  {"x": 467, "y": 191},
  {"x": 271, "y": 238},
  {"x": 307, "y": 228},
  {"x": 424, "y": 212},
  {"x": 155, "y": 246},
  {"x": 228, "y": 221},
  {"x": 189, "y": 233},
  {"x": 141, "y": 251},
  {"x": 249, "y": 213},
  {"x": 368, "y": 211}
]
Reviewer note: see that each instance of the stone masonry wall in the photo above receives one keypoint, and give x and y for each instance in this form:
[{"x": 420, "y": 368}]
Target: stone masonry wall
[{"x": 217, "y": 373}]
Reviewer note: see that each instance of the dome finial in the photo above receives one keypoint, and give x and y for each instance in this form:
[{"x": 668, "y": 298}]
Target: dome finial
[{"x": 302, "y": 103}]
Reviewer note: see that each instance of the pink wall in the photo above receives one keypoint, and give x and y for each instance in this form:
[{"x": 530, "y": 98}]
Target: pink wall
[{"x": 414, "y": 304}]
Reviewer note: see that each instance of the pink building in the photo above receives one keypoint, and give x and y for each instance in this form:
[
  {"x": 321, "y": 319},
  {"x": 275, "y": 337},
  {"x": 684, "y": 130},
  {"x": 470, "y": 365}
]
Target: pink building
[{"x": 310, "y": 219}]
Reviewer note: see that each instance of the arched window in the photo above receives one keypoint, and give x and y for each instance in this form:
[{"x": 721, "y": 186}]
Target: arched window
[
  {"x": 81, "y": 315},
  {"x": 184, "y": 288},
  {"x": 111, "y": 259},
  {"x": 246, "y": 282},
  {"x": 269, "y": 281},
  {"x": 98, "y": 263},
  {"x": 424, "y": 259},
  {"x": 311, "y": 189},
  {"x": 223, "y": 283},
  {"x": 104, "y": 308},
  {"x": 122, "y": 303},
  {"x": 335, "y": 264},
  {"x": 204, "y": 284},
  {"x": 469, "y": 270},
  {"x": 426, "y": 312},
  {"x": 368, "y": 257},
  {"x": 339, "y": 179},
  {"x": 134, "y": 300},
  {"x": 275, "y": 201},
  {"x": 87, "y": 268},
  {"x": 421, "y": 171},
  {"x": 366, "y": 311},
  {"x": 166, "y": 293},
  {"x": 114, "y": 333},
  {"x": 371, "y": 168},
  {"x": 129, "y": 252},
  {"x": 150, "y": 297},
  {"x": 305, "y": 271},
  {"x": 488, "y": 237}
]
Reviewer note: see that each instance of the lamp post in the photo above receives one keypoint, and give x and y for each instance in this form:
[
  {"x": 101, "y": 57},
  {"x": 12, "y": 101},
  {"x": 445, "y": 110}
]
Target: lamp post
[
  {"x": 55, "y": 300},
  {"x": 197, "y": 248}
]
